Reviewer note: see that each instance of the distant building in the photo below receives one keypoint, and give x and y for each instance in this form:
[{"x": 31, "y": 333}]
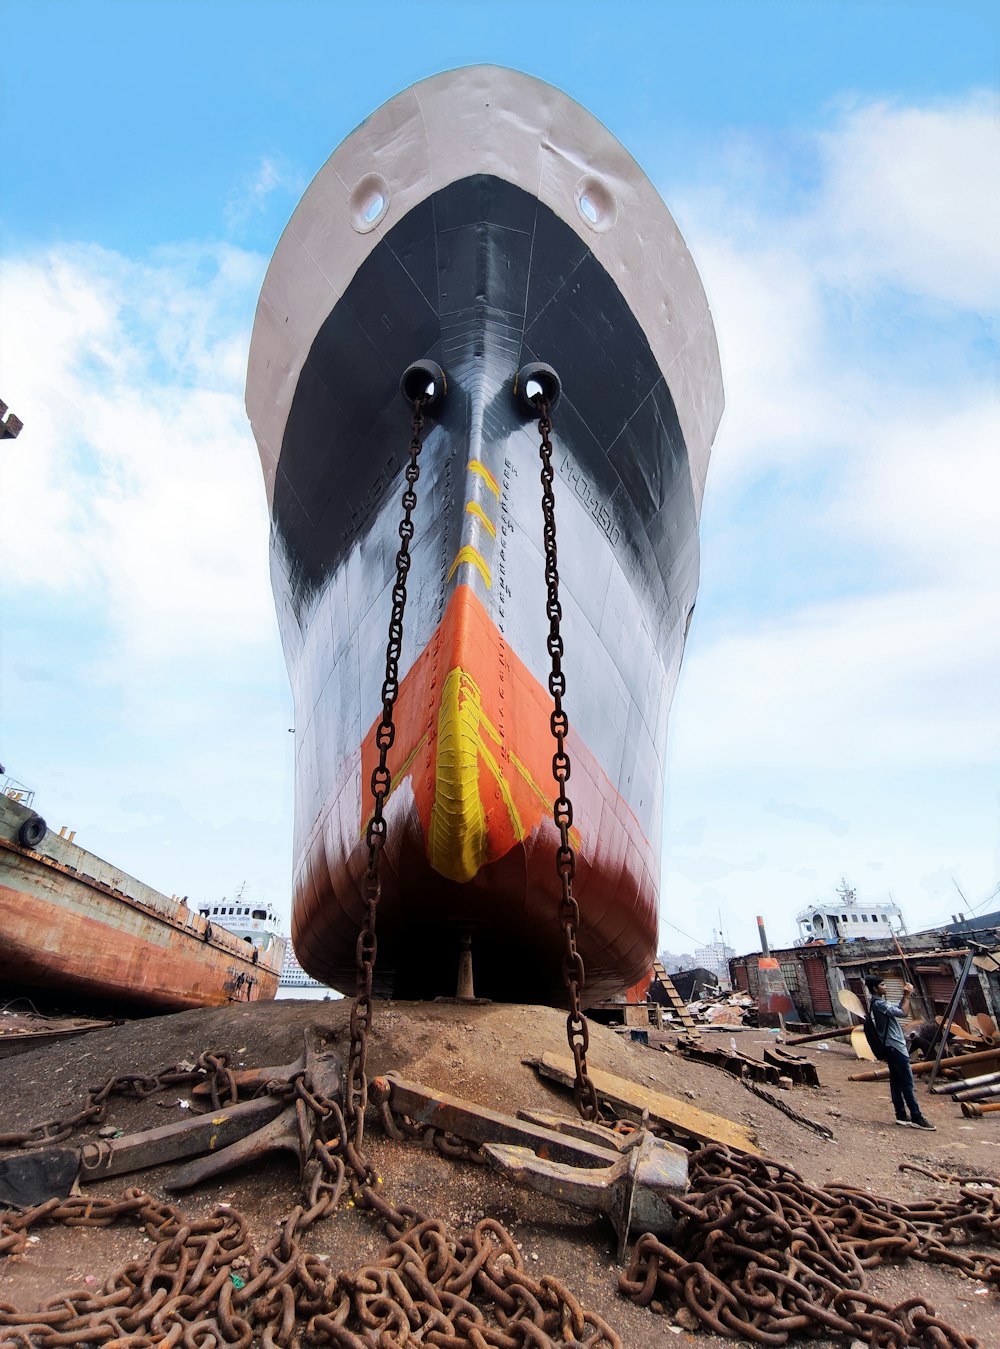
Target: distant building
[
  {"x": 933, "y": 961},
  {"x": 715, "y": 957},
  {"x": 672, "y": 962}
]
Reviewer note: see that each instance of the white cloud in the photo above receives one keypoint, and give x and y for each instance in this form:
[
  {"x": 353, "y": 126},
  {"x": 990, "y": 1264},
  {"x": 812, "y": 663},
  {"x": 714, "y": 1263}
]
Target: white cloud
[
  {"x": 139, "y": 644},
  {"x": 861, "y": 431},
  {"x": 912, "y": 196},
  {"x": 254, "y": 193},
  {"x": 136, "y": 472}
]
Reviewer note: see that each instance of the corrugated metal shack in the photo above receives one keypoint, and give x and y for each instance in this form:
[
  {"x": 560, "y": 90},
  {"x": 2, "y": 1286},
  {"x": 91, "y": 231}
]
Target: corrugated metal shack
[{"x": 815, "y": 974}]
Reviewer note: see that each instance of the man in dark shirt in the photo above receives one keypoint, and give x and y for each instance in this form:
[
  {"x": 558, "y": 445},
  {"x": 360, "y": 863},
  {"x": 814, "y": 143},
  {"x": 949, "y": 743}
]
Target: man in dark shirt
[{"x": 887, "y": 1017}]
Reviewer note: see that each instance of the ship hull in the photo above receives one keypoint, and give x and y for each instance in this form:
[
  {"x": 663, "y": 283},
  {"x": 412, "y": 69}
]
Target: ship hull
[
  {"x": 69, "y": 926},
  {"x": 482, "y": 276}
]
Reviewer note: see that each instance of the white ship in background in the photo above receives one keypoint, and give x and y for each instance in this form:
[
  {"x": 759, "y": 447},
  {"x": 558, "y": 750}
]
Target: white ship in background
[
  {"x": 844, "y": 918},
  {"x": 256, "y": 923},
  {"x": 295, "y": 983}
]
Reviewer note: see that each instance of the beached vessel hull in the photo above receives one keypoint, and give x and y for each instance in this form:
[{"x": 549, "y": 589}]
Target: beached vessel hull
[
  {"x": 455, "y": 225},
  {"x": 72, "y": 925}
]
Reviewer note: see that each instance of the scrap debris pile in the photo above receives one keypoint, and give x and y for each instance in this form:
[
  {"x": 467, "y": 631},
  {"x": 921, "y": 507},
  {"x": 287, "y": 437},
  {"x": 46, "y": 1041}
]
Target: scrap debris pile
[{"x": 751, "y": 1250}]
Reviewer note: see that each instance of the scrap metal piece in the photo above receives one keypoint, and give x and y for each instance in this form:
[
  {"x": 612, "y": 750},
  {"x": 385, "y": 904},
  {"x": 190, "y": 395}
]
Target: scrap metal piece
[
  {"x": 731, "y": 1061},
  {"x": 630, "y": 1180},
  {"x": 292, "y": 1131},
  {"x": 36, "y": 1176},
  {"x": 796, "y": 1066},
  {"x": 478, "y": 1124},
  {"x": 580, "y": 1128},
  {"x": 50, "y": 1169}
]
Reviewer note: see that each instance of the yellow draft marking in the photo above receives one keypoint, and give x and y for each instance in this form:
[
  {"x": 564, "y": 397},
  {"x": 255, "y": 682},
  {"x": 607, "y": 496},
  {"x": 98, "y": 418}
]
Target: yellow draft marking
[
  {"x": 474, "y": 508},
  {"x": 468, "y": 554},
  {"x": 476, "y": 467},
  {"x": 457, "y": 841}
]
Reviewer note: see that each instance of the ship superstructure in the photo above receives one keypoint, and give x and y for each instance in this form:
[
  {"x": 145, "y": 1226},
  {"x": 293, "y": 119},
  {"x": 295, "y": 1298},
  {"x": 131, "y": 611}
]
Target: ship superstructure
[
  {"x": 846, "y": 917},
  {"x": 482, "y": 222},
  {"x": 254, "y": 922}
]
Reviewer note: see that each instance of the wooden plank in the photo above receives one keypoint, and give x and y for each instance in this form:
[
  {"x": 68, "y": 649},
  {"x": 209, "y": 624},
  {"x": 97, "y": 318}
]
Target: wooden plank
[
  {"x": 23, "y": 1041},
  {"x": 675, "y": 1115}
]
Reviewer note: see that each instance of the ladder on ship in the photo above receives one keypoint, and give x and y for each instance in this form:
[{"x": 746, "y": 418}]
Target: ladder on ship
[{"x": 674, "y": 1002}]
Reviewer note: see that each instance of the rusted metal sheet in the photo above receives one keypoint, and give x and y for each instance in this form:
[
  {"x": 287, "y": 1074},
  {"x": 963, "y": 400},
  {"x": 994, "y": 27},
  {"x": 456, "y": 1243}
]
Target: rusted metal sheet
[
  {"x": 802, "y": 1072},
  {"x": 677, "y": 1116},
  {"x": 65, "y": 924},
  {"x": 740, "y": 1065}
]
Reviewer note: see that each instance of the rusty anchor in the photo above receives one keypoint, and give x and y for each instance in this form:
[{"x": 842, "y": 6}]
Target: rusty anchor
[
  {"x": 630, "y": 1180},
  {"x": 220, "y": 1139}
]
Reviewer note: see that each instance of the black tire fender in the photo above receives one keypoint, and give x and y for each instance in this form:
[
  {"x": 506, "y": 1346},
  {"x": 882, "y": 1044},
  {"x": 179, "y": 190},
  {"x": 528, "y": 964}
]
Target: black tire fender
[{"x": 32, "y": 831}]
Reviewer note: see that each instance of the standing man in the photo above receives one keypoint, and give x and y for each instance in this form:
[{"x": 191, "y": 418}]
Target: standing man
[{"x": 887, "y": 1017}]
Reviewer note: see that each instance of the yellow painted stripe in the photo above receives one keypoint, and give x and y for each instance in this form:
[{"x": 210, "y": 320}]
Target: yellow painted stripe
[
  {"x": 457, "y": 840},
  {"x": 476, "y": 467},
  {"x": 475, "y": 559},
  {"x": 474, "y": 508},
  {"x": 457, "y": 843},
  {"x": 547, "y": 801}
]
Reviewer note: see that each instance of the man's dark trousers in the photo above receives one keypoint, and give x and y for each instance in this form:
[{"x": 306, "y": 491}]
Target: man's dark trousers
[{"x": 901, "y": 1083}]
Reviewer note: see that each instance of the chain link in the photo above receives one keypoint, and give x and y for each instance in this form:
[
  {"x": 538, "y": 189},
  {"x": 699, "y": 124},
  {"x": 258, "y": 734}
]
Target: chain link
[
  {"x": 212, "y": 1068},
  {"x": 760, "y": 1255},
  {"x": 381, "y": 782},
  {"x": 574, "y": 974},
  {"x": 204, "y": 1284}
]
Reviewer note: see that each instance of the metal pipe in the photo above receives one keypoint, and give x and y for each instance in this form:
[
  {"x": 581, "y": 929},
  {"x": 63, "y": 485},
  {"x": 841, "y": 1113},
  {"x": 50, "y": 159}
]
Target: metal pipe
[
  {"x": 835, "y": 1033},
  {"x": 949, "y": 1088},
  {"x": 980, "y": 1056},
  {"x": 953, "y": 1006},
  {"x": 978, "y": 1093},
  {"x": 972, "y": 1111}
]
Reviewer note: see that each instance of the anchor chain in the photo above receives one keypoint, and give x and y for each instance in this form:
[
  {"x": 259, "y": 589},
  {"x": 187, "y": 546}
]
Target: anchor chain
[
  {"x": 381, "y": 782},
  {"x": 205, "y": 1282},
  {"x": 760, "y": 1255},
  {"x": 574, "y": 974}
]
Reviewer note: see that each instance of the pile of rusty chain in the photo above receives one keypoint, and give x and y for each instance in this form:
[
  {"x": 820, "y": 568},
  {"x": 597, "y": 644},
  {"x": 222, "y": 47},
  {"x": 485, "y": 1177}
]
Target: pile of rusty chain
[
  {"x": 562, "y": 812},
  {"x": 204, "y": 1284},
  {"x": 209, "y": 1067},
  {"x": 403, "y": 1130},
  {"x": 761, "y": 1255}
]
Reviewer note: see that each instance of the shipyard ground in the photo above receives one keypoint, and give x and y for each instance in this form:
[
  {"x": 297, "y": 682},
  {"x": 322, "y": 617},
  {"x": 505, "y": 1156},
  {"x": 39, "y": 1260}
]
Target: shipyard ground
[{"x": 476, "y": 1052}]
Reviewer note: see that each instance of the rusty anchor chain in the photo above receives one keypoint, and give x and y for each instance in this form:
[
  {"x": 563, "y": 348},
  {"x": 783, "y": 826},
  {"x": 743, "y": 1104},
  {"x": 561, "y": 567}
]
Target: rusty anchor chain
[
  {"x": 574, "y": 974},
  {"x": 760, "y": 1255},
  {"x": 381, "y": 783},
  {"x": 206, "y": 1284},
  {"x": 211, "y": 1069}
]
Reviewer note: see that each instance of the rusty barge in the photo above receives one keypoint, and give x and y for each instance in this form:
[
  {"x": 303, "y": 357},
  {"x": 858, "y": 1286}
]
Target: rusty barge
[
  {"x": 482, "y": 224},
  {"x": 73, "y": 925}
]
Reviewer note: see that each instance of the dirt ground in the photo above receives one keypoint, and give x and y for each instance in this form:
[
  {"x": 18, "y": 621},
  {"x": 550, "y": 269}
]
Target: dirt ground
[{"x": 476, "y": 1052}]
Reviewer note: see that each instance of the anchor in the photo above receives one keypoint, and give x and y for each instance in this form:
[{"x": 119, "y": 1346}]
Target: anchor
[{"x": 629, "y": 1180}]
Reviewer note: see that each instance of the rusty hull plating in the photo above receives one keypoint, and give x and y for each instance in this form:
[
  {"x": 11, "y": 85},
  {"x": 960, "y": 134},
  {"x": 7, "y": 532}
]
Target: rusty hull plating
[{"x": 71, "y": 923}]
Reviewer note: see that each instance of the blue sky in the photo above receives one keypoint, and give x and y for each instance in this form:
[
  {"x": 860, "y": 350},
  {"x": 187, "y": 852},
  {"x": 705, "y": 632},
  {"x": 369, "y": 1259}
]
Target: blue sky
[{"x": 834, "y": 168}]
